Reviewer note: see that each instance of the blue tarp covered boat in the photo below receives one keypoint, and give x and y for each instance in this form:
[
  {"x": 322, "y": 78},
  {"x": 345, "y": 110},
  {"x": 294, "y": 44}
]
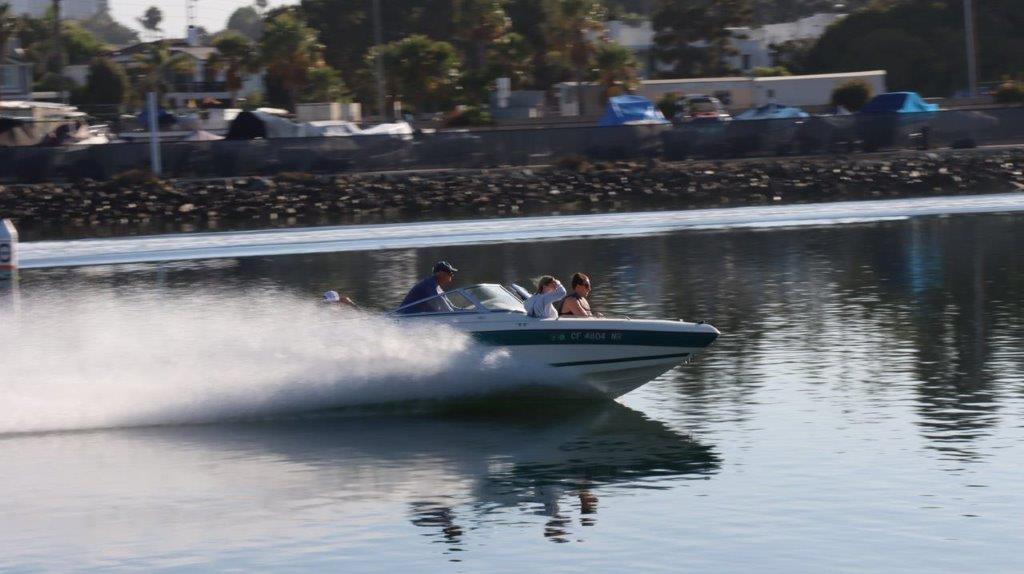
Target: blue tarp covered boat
[
  {"x": 772, "y": 112},
  {"x": 625, "y": 110},
  {"x": 898, "y": 103}
]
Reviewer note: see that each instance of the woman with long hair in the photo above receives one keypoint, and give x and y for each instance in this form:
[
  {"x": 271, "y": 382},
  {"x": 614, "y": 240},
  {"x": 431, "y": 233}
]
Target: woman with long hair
[{"x": 541, "y": 303}]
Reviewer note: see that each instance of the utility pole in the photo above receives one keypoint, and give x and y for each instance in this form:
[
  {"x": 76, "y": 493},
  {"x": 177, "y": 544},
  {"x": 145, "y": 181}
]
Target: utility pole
[
  {"x": 378, "y": 40},
  {"x": 58, "y": 50},
  {"x": 191, "y": 12},
  {"x": 972, "y": 63},
  {"x": 153, "y": 110}
]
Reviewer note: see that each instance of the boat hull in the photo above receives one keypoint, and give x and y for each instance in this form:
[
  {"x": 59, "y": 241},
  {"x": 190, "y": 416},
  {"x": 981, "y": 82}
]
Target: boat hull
[{"x": 590, "y": 357}]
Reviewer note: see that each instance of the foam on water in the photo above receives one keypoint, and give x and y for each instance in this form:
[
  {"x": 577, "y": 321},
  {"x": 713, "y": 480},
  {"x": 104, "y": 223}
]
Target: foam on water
[{"x": 99, "y": 359}]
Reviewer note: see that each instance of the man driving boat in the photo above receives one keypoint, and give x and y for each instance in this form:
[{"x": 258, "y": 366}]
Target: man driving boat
[{"x": 443, "y": 275}]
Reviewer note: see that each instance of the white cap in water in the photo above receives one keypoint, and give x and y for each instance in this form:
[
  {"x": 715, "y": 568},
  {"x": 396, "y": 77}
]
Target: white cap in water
[{"x": 332, "y": 297}]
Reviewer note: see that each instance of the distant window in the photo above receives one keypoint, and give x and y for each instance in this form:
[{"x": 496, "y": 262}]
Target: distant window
[
  {"x": 771, "y": 93},
  {"x": 724, "y": 97},
  {"x": 746, "y": 61}
]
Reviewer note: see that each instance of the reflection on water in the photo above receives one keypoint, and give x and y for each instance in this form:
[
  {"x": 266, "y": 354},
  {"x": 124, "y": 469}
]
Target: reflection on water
[
  {"x": 455, "y": 474},
  {"x": 864, "y": 400}
]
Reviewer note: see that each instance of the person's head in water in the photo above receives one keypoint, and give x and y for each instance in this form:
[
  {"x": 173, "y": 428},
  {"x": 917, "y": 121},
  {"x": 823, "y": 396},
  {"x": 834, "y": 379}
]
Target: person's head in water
[
  {"x": 580, "y": 284},
  {"x": 444, "y": 272},
  {"x": 546, "y": 284}
]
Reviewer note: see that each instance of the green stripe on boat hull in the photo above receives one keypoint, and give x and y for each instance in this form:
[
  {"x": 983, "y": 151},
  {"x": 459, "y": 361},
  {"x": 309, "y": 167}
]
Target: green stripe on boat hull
[
  {"x": 623, "y": 360},
  {"x": 595, "y": 337}
]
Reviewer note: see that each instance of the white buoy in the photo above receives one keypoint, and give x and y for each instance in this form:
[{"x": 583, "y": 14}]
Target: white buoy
[{"x": 8, "y": 249}]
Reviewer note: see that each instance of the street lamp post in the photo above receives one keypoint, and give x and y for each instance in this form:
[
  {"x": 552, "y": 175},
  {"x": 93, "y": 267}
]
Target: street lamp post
[
  {"x": 972, "y": 64},
  {"x": 378, "y": 40}
]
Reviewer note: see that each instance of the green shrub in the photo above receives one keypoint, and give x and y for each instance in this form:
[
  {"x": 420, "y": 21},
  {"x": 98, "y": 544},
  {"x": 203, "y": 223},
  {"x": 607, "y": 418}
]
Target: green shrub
[
  {"x": 768, "y": 72},
  {"x": 295, "y": 177},
  {"x": 576, "y": 163},
  {"x": 851, "y": 95},
  {"x": 1010, "y": 92},
  {"x": 669, "y": 104},
  {"x": 136, "y": 177},
  {"x": 468, "y": 117}
]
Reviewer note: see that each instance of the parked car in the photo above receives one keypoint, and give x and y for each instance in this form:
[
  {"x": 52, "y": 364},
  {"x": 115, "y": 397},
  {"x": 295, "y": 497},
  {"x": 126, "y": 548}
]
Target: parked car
[{"x": 701, "y": 108}]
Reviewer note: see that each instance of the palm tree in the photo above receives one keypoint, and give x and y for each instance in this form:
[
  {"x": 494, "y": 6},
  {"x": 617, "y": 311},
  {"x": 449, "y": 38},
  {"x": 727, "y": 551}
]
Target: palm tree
[
  {"x": 479, "y": 23},
  {"x": 571, "y": 27},
  {"x": 615, "y": 68},
  {"x": 8, "y": 27},
  {"x": 289, "y": 50},
  {"x": 151, "y": 20},
  {"x": 157, "y": 67},
  {"x": 235, "y": 56}
]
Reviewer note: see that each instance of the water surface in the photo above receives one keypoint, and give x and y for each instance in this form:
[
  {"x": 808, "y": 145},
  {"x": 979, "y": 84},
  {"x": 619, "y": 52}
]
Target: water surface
[{"x": 861, "y": 412}]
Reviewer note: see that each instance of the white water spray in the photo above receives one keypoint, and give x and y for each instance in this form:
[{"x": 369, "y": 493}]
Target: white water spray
[{"x": 99, "y": 359}]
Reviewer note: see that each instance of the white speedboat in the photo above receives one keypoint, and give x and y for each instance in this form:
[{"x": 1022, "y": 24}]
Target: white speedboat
[{"x": 602, "y": 356}]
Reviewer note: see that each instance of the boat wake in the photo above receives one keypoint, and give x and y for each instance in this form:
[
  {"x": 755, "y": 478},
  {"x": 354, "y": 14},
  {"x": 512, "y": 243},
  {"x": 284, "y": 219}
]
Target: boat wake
[{"x": 105, "y": 359}]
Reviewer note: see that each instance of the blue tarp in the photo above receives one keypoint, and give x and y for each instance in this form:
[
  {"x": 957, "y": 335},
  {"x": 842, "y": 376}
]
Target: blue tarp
[
  {"x": 163, "y": 117},
  {"x": 772, "y": 112},
  {"x": 630, "y": 109},
  {"x": 898, "y": 103}
]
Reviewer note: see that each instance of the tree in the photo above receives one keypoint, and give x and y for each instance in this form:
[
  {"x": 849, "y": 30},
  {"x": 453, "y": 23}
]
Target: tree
[
  {"x": 345, "y": 27},
  {"x": 103, "y": 26},
  {"x": 289, "y": 50},
  {"x": 510, "y": 56},
  {"x": 324, "y": 84},
  {"x": 792, "y": 54},
  {"x": 615, "y": 68},
  {"x": 36, "y": 38},
  {"x": 420, "y": 71},
  {"x": 235, "y": 56},
  {"x": 151, "y": 19},
  {"x": 527, "y": 21},
  {"x": 478, "y": 23},
  {"x": 8, "y": 28},
  {"x": 107, "y": 83},
  {"x": 920, "y": 44},
  {"x": 693, "y": 36},
  {"x": 80, "y": 45},
  {"x": 570, "y": 28},
  {"x": 246, "y": 21},
  {"x": 156, "y": 67}
]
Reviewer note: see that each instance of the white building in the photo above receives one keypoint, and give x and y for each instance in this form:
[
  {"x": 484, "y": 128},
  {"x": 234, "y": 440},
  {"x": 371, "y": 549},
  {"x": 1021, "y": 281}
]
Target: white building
[
  {"x": 753, "y": 45},
  {"x": 737, "y": 93},
  {"x": 813, "y": 90},
  {"x": 70, "y": 9},
  {"x": 15, "y": 74}
]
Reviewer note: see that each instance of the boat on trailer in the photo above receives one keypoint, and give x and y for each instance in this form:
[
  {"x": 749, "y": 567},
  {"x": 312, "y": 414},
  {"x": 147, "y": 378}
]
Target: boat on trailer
[{"x": 593, "y": 356}]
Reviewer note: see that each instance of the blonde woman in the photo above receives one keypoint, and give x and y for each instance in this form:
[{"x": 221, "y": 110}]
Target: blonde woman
[{"x": 542, "y": 303}]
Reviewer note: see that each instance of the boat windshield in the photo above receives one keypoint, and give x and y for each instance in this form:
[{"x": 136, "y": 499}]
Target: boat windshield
[
  {"x": 484, "y": 298},
  {"x": 495, "y": 298}
]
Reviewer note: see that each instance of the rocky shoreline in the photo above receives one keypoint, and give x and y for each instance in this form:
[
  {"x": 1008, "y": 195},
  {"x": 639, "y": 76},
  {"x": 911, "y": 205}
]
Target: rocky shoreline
[{"x": 138, "y": 203}]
